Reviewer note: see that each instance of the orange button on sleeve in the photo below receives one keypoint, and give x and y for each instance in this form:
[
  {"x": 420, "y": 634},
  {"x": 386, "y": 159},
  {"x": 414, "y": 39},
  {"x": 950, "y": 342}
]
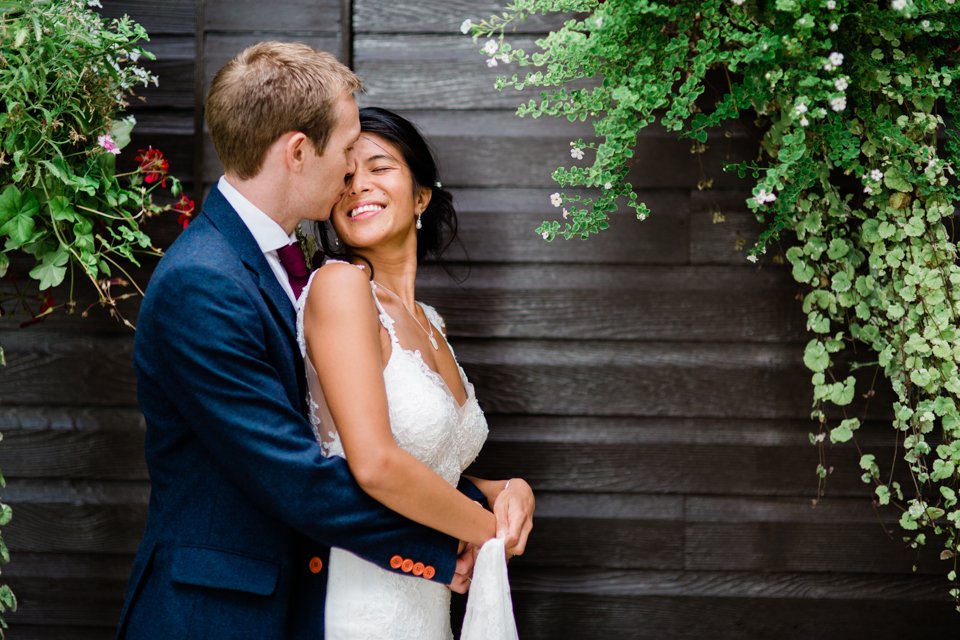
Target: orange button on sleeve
[{"x": 395, "y": 562}]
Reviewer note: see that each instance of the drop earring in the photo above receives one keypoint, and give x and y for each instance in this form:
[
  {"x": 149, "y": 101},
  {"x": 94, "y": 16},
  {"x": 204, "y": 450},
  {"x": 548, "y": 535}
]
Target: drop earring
[{"x": 419, "y": 222}]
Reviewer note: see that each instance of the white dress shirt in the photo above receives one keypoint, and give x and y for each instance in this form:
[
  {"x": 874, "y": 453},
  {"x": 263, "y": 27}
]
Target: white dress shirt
[{"x": 269, "y": 235}]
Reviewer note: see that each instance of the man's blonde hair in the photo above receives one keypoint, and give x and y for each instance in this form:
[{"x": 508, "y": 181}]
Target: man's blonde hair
[{"x": 267, "y": 90}]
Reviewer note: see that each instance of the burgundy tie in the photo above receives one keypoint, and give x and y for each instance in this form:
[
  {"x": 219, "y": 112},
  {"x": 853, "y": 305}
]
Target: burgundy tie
[{"x": 291, "y": 257}]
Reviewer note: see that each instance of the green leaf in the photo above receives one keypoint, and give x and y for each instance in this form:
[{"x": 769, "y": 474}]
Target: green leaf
[
  {"x": 908, "y": 522},
  {"x": 7, "y": 600},
  {"x": 52, "y": 270},
  {"x": 4, "y": 264},
  {"x": 62, "y": 209},
  {"x": 17, "y": 211},
  {"x": 815, "y": 356},
  {"x": 6, "y": 514},
  {"x": 893, "y": 179},
  {"x": 844, "y": 431},
  {"x": 120, "y": 131},
  {"x": 883, "y": 494}
]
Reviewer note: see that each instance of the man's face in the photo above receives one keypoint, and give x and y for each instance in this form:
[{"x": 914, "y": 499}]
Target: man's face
[{"x": 325, "y": 173}]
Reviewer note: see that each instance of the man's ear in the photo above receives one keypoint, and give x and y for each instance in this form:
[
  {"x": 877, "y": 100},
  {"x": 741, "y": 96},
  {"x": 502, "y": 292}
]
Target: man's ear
[
  {"x": 422, "y": 198},
  {"x": 296, "y": 146}
]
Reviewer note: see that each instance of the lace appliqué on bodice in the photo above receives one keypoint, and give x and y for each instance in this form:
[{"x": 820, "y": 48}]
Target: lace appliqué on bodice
[{"x": 363, "y": 600}]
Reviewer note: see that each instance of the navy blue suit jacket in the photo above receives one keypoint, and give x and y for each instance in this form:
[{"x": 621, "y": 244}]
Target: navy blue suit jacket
[{"x": 243, "y": 507}]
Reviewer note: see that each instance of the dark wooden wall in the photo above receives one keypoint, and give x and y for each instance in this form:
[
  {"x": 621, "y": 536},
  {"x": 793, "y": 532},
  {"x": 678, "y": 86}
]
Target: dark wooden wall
[{"x": 648, "y": 383}]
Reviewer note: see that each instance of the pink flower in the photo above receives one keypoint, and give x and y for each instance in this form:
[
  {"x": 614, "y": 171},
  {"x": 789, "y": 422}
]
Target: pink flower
[{"x": 107, "y": 143}]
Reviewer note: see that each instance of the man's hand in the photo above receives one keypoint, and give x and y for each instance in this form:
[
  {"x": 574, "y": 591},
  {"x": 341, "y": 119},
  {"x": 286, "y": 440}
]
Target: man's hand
[
  {"x": 514, "y": 511},
  {"x": 464, "y": 571}
]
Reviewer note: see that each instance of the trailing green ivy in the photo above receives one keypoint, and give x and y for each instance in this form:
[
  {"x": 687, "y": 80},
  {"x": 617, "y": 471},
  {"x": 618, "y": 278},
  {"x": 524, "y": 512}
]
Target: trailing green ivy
[
  {"x": 66, "y": 75},
  {"x": 856, "y": 164}
]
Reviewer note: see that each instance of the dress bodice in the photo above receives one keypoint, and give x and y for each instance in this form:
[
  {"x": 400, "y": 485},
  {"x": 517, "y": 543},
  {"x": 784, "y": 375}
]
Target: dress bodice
[{"x": 425, "y": 418}]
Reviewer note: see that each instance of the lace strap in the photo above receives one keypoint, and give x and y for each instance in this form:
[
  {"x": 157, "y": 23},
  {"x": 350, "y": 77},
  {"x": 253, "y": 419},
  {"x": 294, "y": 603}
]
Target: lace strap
[
  {"x": 433, "y": 317},
  {"x": 301, "y": 303},
  {"x": 385, "y": 318}
]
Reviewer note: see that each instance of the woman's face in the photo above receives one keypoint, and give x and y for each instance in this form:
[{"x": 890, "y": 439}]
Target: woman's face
[{"x": 379, "y": 205}]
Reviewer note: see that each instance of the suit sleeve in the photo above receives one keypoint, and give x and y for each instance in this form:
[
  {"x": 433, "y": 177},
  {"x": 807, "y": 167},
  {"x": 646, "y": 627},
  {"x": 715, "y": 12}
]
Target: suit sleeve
[{"x": 208, "y": 353}]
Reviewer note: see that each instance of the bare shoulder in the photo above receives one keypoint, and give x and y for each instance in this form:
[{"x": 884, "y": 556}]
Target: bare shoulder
[{"x": 339, "y": 287}]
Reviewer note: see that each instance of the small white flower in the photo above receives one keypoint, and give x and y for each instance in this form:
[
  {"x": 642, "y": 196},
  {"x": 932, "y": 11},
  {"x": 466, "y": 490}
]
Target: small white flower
[
  {"x": 898, "y": 5},
  {"x": 841, "y": 84},
  {"x": 836, "y": 58},
  {"x": 838, "y": 104},
  {"x": 608, "y": 185},
  {"x": 641, "y": 217},
  {"x": 504, "y": 57},
  {"x": 828, "y": 67},
  {"x": 804, "y": 122},
  {"x": 94, "y": 3},
  {"x": 545, "y": 235},
  {"x": 834, "y": 26},
  {"x": 831, "y": 4},
  {"x": 576, "y": 153},
  {"x": 801, "y": 108},
  {"x": 555, "y": 199},
  {"x": 598, "y": 21},
  {"x": 867, "y": 190},
  {"x": 752, "y": 259},
  {"x": 737, "y": 2},
  {"x": 134, "y": 56},
  {"x": 566, "y": 214},
  {"x": 492, "y": 62},
  {"x": 763, "y": 196},
  {"x": 877, "y": 175},
  {"x": 491, "y": 47},
  {"x": 465, "y": 26},
  {"x": 925, "y": 24}
]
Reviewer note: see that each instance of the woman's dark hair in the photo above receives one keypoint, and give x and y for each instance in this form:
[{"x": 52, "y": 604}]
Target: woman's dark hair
[{"x": 439, "y": 219}]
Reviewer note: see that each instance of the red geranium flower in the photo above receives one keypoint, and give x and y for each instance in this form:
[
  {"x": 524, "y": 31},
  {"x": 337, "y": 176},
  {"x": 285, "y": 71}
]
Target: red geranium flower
[
  {"x": 185, "y": 207},
  {"x": 153, "y": 165}
]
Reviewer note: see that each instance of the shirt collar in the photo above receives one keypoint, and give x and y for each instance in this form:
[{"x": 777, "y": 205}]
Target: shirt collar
[{"x": 269, "y": 235}]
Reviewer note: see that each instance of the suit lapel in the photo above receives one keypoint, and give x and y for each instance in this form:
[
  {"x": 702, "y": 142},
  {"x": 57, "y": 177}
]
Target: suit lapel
[{"x": 226, "y": 220}]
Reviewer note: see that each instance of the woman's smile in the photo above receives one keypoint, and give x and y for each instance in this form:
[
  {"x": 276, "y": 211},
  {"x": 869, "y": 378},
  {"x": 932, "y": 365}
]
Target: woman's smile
[{"x": 365, "y": 210}]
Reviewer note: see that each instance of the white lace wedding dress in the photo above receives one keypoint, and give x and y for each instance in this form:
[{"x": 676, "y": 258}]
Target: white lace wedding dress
[{"x": 365, "y": 602}]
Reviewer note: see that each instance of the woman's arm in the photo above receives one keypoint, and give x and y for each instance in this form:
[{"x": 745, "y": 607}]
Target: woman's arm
[
  {"x": 342, "y": 331},
  {"x": 513, "y": 505}
]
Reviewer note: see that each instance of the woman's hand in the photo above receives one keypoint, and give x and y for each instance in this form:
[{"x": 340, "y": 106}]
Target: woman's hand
[{"x": 514, "y": 508}]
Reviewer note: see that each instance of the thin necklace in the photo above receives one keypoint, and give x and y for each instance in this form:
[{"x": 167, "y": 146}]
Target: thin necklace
[{"x": 429, "y": 332}]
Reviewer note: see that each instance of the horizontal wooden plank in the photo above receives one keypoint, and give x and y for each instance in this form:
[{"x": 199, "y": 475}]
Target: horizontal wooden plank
[
  {"x": 44, "y": 370},
  {"x": 87, "y": 453},
  {"x": 619, "y": 378},
  {"x": 785, "y": 534},
  {"x": 279, "y": 15},
  {"x": 676, "y": 456},
  {"x": 618, "y": 303},
  {"x": 76, "y": 517},
  {"x": 50, "y": 632},
  {"x": 499, "y": 225},
  {"x": 546, "y": 615},
  {"x": 174, "y": 68},
  {"x": 438, "y": 16},
  {"x": 729, "y": 584},
  {"x": 175, "y": 17},
  {"x": 723, "y": 229},
  {"x": 581, "y": 530}
]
